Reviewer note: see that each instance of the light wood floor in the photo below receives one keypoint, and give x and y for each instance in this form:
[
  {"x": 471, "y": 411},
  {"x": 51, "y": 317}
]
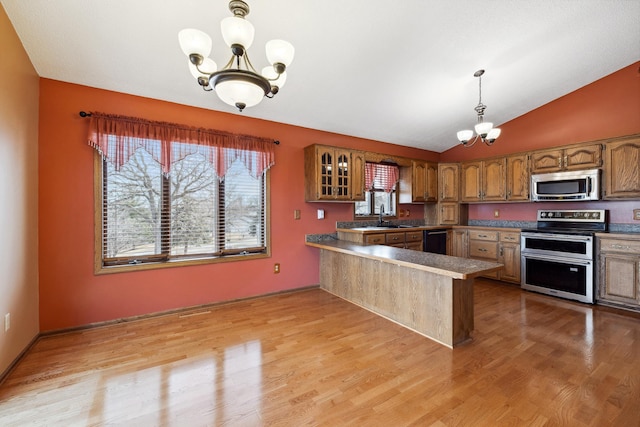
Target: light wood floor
[{"x": 309, "y": 358}]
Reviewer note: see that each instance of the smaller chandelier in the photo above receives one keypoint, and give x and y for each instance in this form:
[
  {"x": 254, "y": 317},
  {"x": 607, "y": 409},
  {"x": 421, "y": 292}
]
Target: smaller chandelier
[
  {"x": 484, "y": 130},
  {"x": 237, "y": 83}
]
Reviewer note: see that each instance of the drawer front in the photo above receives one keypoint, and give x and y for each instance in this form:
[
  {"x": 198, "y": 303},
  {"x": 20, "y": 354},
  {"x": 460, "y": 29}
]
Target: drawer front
[
  {"x": 481, "y": 249},
  {"x": 416, "y": 246},
  {"x": 374, "y": 239},
  {"x": 393, "y": 238},
  {"x": 511, "y": 237},
  {"x": 491, "y": 236},
  {"x": 414, "y": 236},
  {"x": 618, "y": 245}
]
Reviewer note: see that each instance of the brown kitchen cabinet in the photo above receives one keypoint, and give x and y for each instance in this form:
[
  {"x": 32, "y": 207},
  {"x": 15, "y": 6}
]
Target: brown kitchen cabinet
[
  {"x": 483, "y": 245},
  {"x": 621, "y": 172},
  {"x": 449, "y": 213},
  {"x": 575, "y": 157},
  {"x": 357, "y": 176},
  {"x": 411, "y": 239},
  {"x": 618, "y": 276},
  {"x": 419, "y": 183},
  {"x": 483, "y": 180},
  {"x": 509, "y": 255},
  {"x": 495, "y": 245},
  {"x": 459, "y": 243},
  {"x": 518, "y": 178},
  {"x": 331, "y": 175},
  {"x": 449, "y": 182}
]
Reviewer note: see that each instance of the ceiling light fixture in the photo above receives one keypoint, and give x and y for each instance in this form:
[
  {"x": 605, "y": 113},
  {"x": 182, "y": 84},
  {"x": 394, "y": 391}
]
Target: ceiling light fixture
[
  {"x": 485, "y": 130},
  {"x": 237, "y": 83}
]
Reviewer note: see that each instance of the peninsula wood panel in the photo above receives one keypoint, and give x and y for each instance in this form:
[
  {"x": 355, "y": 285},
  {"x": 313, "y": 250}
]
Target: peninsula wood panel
[{"x": 436, "y": 306}]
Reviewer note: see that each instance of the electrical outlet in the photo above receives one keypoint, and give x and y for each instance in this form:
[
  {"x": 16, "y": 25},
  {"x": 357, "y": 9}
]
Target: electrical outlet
[
  {"x": 296, "y": 214},
  {"x": 276, "y": 268},
  {"x": 496, "y": 213},
  {"x": 407, "y": 213},
  {"x": 636, "y": 214},
  {"x": 320, "y": 213},
  {"x": 7, "y": 322}
]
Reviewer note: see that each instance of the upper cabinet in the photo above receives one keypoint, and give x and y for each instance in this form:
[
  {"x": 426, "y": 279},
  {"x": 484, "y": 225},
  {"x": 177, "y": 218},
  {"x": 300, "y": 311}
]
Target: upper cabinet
[
  {"x": 484, "y": 180},
  {"x": 621, "y": 168},
  {"x": 518, "y": 178},
  {"x": 570, "y": 158},
  {"x": 419, "y": 183},
  {"x": 333, "y": 174},
  {"x": 449, "y": 182}
]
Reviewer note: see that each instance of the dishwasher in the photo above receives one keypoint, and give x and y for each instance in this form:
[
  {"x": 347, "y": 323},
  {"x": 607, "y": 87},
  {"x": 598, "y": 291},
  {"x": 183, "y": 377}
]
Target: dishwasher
[{"x": 435, "y": 241}]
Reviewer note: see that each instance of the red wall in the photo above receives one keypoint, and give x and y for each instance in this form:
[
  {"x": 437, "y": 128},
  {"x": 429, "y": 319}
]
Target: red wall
[
  {"x": 71, "y": 295},
  {"x": 606, "y": 108}
]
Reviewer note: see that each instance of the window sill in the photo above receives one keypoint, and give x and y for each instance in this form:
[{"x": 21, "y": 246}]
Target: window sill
[{"x": 129, "y": 268}]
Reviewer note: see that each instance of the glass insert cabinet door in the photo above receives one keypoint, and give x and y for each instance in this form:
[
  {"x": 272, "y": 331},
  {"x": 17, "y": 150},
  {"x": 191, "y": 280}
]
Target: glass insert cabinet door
[{"x": 334, "y": 174}]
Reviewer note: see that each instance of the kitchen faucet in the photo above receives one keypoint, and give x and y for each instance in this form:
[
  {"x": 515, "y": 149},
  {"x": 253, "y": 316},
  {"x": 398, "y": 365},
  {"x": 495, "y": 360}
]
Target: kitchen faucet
[{"x": 380, "y": 221}]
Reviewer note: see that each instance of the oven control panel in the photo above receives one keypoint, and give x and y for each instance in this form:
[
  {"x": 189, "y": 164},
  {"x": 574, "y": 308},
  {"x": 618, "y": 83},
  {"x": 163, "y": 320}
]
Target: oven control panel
[{"x": 588, "y": 215}]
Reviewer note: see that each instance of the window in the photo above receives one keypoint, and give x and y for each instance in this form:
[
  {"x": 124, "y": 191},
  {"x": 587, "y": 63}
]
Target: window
[
  {"x": 381, "y": 183},
  {"x": 211, "y": 206}
]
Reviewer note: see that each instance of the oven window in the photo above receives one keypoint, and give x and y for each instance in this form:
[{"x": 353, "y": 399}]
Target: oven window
[
  {"x": 557, "y": 275},
  {"x": 556, "y": 245}
]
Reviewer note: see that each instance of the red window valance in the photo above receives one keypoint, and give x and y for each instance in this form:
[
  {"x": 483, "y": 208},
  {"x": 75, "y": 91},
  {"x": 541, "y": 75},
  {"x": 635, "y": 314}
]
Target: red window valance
[
  {"x": 118, "y": 137},
  {"x": 381, "y": 176}
]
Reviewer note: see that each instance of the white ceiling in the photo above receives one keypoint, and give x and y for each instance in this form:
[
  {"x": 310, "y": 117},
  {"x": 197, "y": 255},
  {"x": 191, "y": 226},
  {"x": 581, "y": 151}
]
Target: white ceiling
[{"x": 392, "y": 71}]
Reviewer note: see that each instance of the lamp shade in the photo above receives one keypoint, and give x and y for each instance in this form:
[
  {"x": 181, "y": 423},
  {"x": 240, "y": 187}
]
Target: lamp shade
[
  {"x": 235, "y": 92},
  {"x": 237, "y": 31},
  {"x": 465, "y": 135},
  {"x": 194, "y": 41},
  {"x": 483, "y": 128},
  {"x": 280, "y": 51},
  {"x": 493, "y": 134},
  {"x": 270, "y": 74},
  {"x": 207, "y": 67}
]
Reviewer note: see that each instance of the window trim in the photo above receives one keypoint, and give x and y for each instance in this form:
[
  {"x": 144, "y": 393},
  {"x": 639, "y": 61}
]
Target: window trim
[
  {"x": 100, "y": 269},
  {"x": 376, "y": 216}
]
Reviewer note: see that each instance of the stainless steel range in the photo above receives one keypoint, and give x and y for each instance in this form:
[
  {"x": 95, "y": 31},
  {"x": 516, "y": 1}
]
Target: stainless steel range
[{"x": 558, "y": 256}]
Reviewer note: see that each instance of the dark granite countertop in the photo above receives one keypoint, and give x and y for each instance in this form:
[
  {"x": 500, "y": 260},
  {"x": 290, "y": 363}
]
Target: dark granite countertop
[{"x": 457, "y": 268}]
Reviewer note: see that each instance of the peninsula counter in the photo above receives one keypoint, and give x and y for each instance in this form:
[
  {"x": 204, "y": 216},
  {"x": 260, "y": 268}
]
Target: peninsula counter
[{"x": 428, "y": 293}]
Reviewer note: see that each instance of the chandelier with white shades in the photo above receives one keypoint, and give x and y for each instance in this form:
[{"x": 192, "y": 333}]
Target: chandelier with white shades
[
  {"x": 237, "y": 83},
  {"x": 484, "y": 130}
]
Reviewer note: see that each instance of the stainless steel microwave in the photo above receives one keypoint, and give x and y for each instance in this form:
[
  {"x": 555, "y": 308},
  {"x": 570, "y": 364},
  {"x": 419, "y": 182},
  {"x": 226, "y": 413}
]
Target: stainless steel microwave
[{"x": 566, "y": 186}]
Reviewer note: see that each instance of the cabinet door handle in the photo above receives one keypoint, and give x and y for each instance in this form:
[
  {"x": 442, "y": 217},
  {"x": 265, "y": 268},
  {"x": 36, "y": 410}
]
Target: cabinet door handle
[
  {"x": 559, "y": 162},
  {"x": 482, "y": 235},
  {"x": 566, "y": 161},
  {"x": 616, "y": 246},
  {"x": 501, "y": 252},
  {"x": 482, "y": 250}
]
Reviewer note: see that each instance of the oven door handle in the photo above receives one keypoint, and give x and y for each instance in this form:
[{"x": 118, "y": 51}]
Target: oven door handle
[
  {"x": 562, "y": 260},
  {"x": 551, "y": 236}
]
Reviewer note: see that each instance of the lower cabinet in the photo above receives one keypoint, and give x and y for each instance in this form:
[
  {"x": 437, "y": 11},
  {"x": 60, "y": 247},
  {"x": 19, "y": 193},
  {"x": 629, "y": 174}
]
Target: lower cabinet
[
  {"x": 483, "y": 245},
  {"x": 459, "y": 243},
  {"x": 509, "y": 255},
  {"x": 618, "y": 276},
  {"x": 490, "y": 245},
  {"x": 399, "y": 239}
]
